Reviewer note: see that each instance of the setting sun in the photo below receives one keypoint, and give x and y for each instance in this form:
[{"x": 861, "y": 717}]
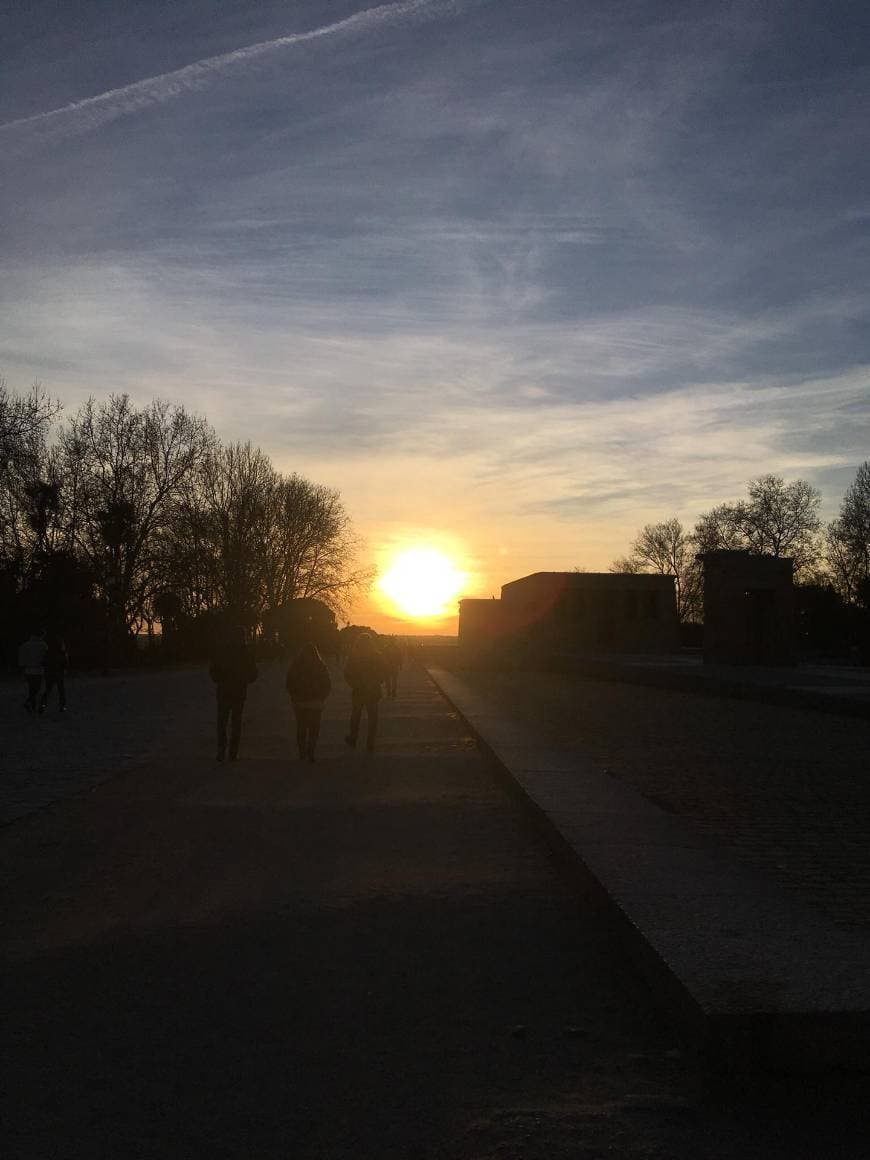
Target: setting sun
[{"x": 422, "y": 582}]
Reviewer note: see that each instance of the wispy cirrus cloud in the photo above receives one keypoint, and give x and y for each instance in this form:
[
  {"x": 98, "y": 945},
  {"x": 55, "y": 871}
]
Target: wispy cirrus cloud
[
  {"x": 528, "y": 408},
  {"x": 92, "y": 112}
]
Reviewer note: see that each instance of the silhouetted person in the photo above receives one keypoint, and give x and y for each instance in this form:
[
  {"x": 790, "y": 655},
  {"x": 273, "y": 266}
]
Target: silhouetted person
[
  {"x": 232, "y": 669},
  {"x": 31, "y": 658},
  {"x": 309, "y": 684},
  {"x": 56, "y": 661},
  {"x": 392, "y": 655},
  {"x": 365, "y": 672}
]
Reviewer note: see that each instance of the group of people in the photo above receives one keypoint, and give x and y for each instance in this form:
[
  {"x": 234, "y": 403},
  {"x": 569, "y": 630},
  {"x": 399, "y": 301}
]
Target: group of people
[
  {"x": 371, "y": 669},
  {"x": 43, "y": 658}
]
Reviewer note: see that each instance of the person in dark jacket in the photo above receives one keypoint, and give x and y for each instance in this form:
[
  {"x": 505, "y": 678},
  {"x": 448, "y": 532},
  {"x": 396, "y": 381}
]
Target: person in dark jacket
[
  {"x": 232, "y": 669},
  {"x": 365, "y": 672},
  {"x": 309, "y": 684},
  {"x": 56, "y": 661},
  {"x": 31, "y": 658},
  {"x": 392, "y": 655}
]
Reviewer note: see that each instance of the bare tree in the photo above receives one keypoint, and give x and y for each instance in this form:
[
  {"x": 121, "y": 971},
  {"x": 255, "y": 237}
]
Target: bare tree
[
  {"x": 719, "y": 528},
  {"x": 144, "y": 510},
  {"x": 315, "y": 547},
  {"x": 262, "y": 539},
  {"x": 124, "y": 467},
  {"x": 28, "y": 489},
  {"x": 845, "y": 565},
  {"x": 627, "y": 564},
  {"x": 186, "y": 554},
  {"x": 848, "y": 538},
  {"x": 782, "y": 519},
  {"x": 666, "y": 548},
  {"x": 238, "y": 484},
  {"x": 24, "y": 422},
  {"x": 778, "y": 519}
]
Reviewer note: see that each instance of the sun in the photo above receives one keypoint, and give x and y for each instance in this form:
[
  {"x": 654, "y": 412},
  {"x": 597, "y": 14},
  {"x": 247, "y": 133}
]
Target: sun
[{"x": 422, "y": 582}]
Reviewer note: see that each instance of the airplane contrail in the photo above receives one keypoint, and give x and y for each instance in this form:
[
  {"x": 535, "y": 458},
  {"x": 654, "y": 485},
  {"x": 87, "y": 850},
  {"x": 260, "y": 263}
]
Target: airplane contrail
[{"x": 90, "y": 113}]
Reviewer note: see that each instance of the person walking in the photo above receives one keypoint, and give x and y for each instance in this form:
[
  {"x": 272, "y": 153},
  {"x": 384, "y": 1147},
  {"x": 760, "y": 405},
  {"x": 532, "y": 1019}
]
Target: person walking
[
  {"x": 56, "y": 661},
  {"x": 309, "y": 684},
  {"x": 392, "y": 654},
  {"x": 365, "y": 672},
  {"x": 232, "y": 669},
  {"x": 31, "y": 658}
]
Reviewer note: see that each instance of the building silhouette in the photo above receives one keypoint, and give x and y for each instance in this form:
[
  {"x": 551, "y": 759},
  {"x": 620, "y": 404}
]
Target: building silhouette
[
  {"x": 749, "y": 609},
  {"x": 563, "y": 612}
]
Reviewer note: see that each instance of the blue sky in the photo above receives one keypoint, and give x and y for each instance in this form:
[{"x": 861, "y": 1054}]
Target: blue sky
[{"x": 516, "y": 277}]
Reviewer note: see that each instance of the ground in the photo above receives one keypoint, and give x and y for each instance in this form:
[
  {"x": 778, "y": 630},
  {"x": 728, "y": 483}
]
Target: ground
[
  {"x": 784, "y": 790},
  {"x": 363, "y": 957}
]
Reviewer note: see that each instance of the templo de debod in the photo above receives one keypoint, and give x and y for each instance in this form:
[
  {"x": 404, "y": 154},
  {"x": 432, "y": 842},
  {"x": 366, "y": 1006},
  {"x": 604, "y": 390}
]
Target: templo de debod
[
  {"x": 576, "y": 611},
  {"x": 749, "y": 609}
]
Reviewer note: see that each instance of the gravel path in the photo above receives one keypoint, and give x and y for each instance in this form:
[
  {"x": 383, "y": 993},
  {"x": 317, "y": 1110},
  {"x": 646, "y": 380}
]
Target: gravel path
[{"x": 785, "y": 790}]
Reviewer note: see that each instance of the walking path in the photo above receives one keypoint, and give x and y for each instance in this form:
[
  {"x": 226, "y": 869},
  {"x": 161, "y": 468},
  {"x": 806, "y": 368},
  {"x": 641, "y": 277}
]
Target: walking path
[
  {"x": 115, "y": 723},
  {"x": 763, "y": 979},
  {"x": 360, "y": 958}
]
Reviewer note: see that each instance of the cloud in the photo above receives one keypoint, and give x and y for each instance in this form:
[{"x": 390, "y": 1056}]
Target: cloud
[
  {"x": 678, "y": 452},
  {"x": 380, "y": 366},
  {"x": 546, "y": 273},
  {"x": 92, "y": 112}
]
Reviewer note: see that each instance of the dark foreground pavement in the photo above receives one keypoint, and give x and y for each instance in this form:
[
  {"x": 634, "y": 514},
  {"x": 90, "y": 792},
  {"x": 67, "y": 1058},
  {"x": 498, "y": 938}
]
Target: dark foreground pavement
[{"x": 367, "y": 957}]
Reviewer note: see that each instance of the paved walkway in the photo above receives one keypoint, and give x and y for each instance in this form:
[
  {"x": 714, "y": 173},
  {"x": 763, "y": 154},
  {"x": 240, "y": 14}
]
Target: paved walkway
[
  {"x": 115, "y": 723},
  {"x": 363, "y": 958},
  {"x": 843, "y": 689},
  {"x": 766, "y": 981},
  {"x": 780, "y": 789}
]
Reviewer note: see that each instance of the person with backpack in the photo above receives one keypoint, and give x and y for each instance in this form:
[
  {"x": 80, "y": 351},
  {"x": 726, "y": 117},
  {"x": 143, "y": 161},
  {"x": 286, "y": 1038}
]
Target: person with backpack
[{"x": 309, "y": 684}]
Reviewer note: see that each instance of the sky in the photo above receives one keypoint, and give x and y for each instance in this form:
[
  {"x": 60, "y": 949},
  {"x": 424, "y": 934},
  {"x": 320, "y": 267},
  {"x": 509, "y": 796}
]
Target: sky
[{"x": 515, "y": 276}]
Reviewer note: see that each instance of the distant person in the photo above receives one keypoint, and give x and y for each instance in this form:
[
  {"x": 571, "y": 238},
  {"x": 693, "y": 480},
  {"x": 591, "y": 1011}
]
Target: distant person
[
  {"x": 365, "y": 672},
  {"x": 392, "y": 654},
  {"x": 232, "y": 669},
  {"x": 56, "y": 661},
  {"x": 31, "y": 658},
  {"x": 309, "y": 684}
]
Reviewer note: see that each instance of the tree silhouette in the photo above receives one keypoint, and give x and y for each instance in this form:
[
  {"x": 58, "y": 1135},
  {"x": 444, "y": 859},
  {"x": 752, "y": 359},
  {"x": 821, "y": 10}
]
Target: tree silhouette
[
  {"x": 666, "y": 548},
  {"x": 777, "y": 519},
  {"x": 144, "y": 515},
  {"x": 848, "y": 539}
]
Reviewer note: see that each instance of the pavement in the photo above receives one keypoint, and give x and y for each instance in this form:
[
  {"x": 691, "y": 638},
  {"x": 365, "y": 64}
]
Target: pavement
[
  {"x": 362, "y": 957},
  {"x": 761, "y": 981},
  {"x": 843, "y": 689},
  {"x": 115, "y": 723},
  {"x": 365, "y": 957}
]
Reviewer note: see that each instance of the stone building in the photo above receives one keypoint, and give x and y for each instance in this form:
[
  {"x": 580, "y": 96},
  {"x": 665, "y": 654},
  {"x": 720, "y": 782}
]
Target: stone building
[
  {"x": 481, "y": 623},
  {"x": 576, "y": 612},
  {"x": 748, "y": 609}
]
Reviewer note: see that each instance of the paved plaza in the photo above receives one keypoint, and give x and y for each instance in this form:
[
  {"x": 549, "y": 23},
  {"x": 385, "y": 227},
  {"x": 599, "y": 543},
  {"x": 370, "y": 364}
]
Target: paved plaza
[
  {"x": 765, "y": 982},
  {"x": 363, "y": 957}
]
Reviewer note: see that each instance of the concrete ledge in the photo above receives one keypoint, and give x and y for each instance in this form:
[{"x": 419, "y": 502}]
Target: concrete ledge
[{"x": 759, "y": 981}]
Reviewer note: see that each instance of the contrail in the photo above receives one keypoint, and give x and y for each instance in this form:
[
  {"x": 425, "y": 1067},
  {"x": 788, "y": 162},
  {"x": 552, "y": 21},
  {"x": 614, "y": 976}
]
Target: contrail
[{"x": 90, "y": 113}]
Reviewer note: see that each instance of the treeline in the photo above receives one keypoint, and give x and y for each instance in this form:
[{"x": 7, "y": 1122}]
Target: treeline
[
  {"x": 118, "y": 520},
  {"x": 832, "y": 561}
]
